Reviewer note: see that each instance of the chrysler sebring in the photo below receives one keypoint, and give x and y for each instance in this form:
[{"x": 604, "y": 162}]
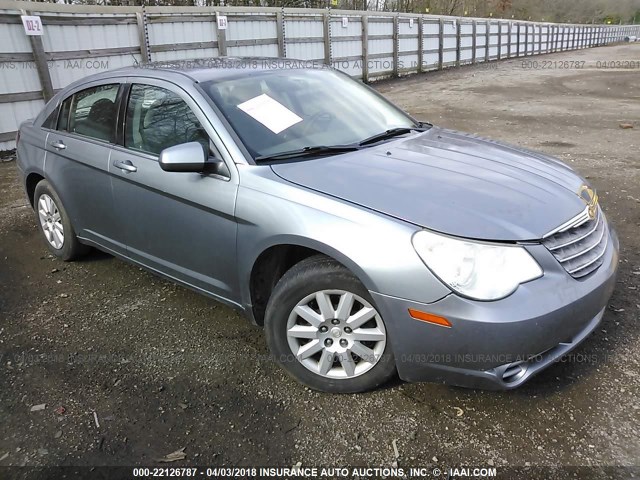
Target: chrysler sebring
[{"x": 367, "y": 244}]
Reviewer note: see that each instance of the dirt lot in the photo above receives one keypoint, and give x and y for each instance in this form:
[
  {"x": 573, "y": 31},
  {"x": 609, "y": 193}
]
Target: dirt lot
[{"x": 164, "y": 368}]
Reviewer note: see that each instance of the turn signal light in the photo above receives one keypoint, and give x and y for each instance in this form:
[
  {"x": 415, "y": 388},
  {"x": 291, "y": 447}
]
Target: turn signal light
[{"x": 429, "y": 318}]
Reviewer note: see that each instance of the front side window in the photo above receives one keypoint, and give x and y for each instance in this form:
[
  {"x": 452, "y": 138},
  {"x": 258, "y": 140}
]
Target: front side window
[
  {"x": 93, "y": 112},
  {"x": 158, "y": 118}
]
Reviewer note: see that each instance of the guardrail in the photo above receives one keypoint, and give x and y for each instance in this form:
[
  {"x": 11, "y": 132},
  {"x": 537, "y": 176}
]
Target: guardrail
[{"x": 78, "y": 40}]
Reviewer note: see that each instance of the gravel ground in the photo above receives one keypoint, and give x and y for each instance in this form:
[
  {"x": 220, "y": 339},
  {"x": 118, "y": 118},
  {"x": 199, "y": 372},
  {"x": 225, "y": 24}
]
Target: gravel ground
[{"x": 132, "y": 368}]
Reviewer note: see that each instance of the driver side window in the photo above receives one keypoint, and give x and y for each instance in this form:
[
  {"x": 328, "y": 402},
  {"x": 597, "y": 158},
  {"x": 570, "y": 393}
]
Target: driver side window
[{"x": 158, "y": 118}]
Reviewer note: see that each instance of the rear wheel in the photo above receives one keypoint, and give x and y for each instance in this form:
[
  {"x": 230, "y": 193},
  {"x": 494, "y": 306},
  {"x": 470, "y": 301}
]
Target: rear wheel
[
  {"x": 55, "y": 225},
  {"x": 323, "y": 328}
]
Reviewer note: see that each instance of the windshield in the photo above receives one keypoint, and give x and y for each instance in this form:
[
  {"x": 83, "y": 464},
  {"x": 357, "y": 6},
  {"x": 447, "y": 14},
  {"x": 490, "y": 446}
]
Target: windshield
[{"x": 277, "y": 111}]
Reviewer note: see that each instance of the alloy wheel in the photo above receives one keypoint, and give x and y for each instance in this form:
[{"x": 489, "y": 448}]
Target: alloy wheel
[
  {"x": 51, "y": 221},
  {"x": 336, "y": 334}
]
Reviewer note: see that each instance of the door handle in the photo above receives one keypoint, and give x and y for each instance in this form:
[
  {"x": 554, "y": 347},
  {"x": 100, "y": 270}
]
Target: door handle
[
  {"x": 125, "y": 165},
  {"x": 58, "y": 145}
]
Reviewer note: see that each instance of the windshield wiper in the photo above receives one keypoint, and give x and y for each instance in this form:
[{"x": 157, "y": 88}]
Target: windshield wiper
[
  {"x": 309, "y": 152},
  {"x": 394, "y": 132}
]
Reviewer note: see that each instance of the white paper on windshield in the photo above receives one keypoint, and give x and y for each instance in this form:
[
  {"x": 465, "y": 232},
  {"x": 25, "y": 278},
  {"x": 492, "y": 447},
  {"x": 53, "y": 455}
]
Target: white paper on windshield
[{"x": 269, "y": 112}]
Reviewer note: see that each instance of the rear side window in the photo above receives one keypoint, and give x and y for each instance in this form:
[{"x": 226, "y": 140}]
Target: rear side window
[
  {"x": 93, "y": 112},
  {"x": 158, "y": 118}
]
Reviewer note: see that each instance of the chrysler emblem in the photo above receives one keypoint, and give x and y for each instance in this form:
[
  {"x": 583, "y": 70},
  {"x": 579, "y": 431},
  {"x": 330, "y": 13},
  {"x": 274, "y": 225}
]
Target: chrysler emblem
[{"x": 590, "y": 197}]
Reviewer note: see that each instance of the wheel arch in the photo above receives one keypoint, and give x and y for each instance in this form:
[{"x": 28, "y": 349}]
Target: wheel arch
[
  {"x": 275, "y": 259},
  {"x": 31, "y": 181}
]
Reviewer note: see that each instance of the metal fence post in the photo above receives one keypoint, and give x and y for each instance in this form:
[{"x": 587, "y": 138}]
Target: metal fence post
[
  {"x": 326, "y": 25},
  {"x": 539, "y": 39},
  {"x": 510, "y": 32},
  {"x": 441, "y": 45},
  {"x": 40, "y": 59},
  {"x": 396, "y": 46},
  {"x": 547, "y": 48},
  {"x": 487, "y": 57},
  {"x": 499, "y": 40},
  {"x": 518, "y": 42},
  {"x": 560, "y": 38},
  {"x": 458, "y": 42},
  {"x": 365, "y": 48},
  {"x": 420, "y": 44},
  {"x": 222, "y": 42},
  {"x": 143, "y": 34},
  {"x": 474, "y": 42},
  {"x": 586, "y": 37},
  {"x": 280, "y": 28},
  {"x": 599, "y": 36}
]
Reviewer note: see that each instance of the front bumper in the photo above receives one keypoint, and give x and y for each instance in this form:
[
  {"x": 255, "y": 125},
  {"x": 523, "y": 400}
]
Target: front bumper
[{"x": 500, "y": 344}]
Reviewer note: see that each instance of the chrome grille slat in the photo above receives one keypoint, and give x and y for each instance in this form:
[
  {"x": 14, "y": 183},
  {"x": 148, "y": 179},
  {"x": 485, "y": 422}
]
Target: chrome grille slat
[
  {"x": 574, "y": 222},
  {"x": 582, "y": 252},
  {"x": 576, "y": 240},
  {"x": 592, "y": 261},
  {"x": 581, "y": 247}
]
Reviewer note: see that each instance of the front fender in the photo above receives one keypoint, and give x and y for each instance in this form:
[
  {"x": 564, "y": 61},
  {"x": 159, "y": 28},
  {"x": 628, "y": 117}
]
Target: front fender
[{"x": 375, "y": 247}]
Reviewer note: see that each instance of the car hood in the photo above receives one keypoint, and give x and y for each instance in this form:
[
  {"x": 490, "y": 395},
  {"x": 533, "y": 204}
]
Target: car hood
[{"x": 450, "y": 182}]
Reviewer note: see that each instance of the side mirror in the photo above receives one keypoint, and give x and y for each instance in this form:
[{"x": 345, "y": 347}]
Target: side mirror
[{"x": 186, "y": 157}]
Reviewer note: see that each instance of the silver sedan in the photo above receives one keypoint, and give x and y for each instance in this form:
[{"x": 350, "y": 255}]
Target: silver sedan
[{"x": 365, "y": 242}]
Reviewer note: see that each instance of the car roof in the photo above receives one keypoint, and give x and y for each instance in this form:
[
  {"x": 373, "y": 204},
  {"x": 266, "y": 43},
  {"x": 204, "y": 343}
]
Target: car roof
[{"x": 205, "y": 69}]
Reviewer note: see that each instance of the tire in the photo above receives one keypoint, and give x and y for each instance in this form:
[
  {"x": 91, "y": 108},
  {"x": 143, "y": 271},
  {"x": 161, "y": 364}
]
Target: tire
[
  {"x": 54, "y": 223},
  {"x": 319, "y": 348}
]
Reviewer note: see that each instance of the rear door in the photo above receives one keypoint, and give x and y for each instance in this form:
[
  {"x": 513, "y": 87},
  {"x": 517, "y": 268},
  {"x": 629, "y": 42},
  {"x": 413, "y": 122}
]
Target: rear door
[
  {"x": 180, "y": 224},
  {"x": 78, "y": 147}
]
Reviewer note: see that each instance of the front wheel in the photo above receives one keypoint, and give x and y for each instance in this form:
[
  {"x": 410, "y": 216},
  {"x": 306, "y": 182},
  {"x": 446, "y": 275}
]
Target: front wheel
[{"x": 323, "y": 328}]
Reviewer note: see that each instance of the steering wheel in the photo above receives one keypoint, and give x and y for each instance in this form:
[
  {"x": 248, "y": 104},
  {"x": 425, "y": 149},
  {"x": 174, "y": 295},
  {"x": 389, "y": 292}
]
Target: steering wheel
[{"x": 316, "y": 118}]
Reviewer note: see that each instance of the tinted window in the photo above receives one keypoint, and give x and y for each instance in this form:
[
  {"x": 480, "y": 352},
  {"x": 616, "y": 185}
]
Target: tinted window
[
  {"x": 63, "y": 118},
  {"x": 52, "y": 119},
  {"x": 158, "y": 118},
  {"x": 94, "y": 111}
]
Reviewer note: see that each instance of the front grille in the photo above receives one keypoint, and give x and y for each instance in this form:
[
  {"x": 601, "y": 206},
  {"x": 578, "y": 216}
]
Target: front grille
[{"x": 580, "y": 247}]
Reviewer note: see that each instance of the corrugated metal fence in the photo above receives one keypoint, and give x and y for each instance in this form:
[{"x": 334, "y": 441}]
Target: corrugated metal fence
[{"x": 80, "y": 39}]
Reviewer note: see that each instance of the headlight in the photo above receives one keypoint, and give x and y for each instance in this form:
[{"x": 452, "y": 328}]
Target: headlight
[{"x": 476, "y": 270}]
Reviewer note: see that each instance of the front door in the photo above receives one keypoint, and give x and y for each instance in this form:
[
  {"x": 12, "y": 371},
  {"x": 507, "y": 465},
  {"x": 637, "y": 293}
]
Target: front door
[{"x": 180, "y": 224}]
